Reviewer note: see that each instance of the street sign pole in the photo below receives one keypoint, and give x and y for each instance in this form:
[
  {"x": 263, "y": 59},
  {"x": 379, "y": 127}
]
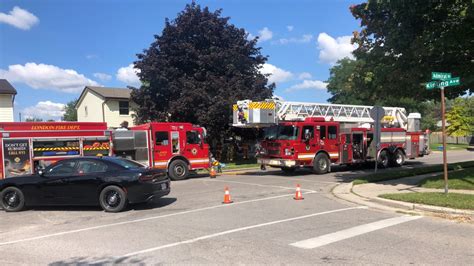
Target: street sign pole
[
  {"x": 377, "y": 113},
  {"x": 445, "y": 160}
]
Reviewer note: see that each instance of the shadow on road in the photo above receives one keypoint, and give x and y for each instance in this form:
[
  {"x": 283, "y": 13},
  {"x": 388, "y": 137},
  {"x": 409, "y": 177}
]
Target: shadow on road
[{"x": 95, "y": 261}]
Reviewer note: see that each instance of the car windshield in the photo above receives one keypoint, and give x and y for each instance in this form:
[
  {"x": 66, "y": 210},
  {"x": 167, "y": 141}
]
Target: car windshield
[
  {"x": 129, "y": 164},
  {"x": 281, "y": 133}
]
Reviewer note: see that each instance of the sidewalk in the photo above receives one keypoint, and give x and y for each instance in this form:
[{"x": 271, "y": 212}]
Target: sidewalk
[{"x": 367, "y": 194}]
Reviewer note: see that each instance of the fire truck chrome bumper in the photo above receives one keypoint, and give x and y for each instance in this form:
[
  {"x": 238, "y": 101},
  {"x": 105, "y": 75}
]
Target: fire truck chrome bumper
[{"x": 277, "y": 162}]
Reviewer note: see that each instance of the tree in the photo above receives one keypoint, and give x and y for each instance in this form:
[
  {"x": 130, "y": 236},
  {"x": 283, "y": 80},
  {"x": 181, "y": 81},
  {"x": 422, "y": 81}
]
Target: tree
[
  {"x": 461, "y": 122},
  {"x": 70, "y": 112},
  {"x": 401, "y": 42},
  {"x": 196, "y": 69},
  {"x": 33, "y": 119}
]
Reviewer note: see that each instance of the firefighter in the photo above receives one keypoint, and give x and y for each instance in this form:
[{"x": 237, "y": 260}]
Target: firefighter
[{"x": 123, "y": 126}]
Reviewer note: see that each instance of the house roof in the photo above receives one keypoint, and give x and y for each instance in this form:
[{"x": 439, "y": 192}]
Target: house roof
[
  {"x": 6, "y": 87},
  {"x": 106, "y": 93}
]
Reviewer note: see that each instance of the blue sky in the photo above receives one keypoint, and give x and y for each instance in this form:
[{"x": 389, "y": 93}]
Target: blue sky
[{"x": 51, "y": 49}]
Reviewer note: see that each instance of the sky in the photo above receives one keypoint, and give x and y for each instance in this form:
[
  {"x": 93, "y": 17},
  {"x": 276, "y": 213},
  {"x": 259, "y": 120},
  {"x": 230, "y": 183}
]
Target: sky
[{"x": 51, "y": 49}]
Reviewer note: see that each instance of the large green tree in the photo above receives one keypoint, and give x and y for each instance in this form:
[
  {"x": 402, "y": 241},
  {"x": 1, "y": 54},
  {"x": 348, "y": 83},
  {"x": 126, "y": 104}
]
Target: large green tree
[
  {"x": 196, "y": 69},
  {"x": 460, "y": 119},
  {"x": 70, "y": 112},
  {"x": 400, "y": 43}
]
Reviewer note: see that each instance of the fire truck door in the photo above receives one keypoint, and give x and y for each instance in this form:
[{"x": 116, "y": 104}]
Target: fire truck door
[
  {"x": 331, "y": 143},
  {"x": 346, "y": 148},
  {"x": 194, "y": 149},
  {"x": 308, "y": 145},
  {"x": 162, "y": 149}
]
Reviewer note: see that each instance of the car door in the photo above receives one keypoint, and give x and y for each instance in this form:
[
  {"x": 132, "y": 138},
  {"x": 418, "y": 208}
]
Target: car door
[
  {"x": 83, "y": 187},
  {"x": 53, "y": 184}
]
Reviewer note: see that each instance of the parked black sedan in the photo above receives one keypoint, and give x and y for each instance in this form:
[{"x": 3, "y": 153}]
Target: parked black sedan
[{"x": 110, "y": 182}]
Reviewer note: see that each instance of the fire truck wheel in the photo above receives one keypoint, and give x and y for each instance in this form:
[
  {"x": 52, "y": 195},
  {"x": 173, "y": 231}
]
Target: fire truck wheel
[
  {"x": 398, "y": 158},
  {"x": 13, "y": 199},
  {"x": 178, "y": 170},
  {"x": 288, "y": 170},
  {"x": 113, "y": 199},
  {"x": 321, "y": 164},
  {"x": 383, "y": 159}
]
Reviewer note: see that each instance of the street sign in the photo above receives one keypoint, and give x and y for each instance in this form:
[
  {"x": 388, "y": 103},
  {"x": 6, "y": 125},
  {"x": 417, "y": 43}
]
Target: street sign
[
  {"x": 377, "y": 113},
  {"x": 431, "y": 85},
  {"x": 440, "y": 75},
  {"x": 449, "y": 82}
]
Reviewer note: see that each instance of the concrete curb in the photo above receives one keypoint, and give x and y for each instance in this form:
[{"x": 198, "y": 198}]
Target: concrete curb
[{"x": 344, "y": 191}]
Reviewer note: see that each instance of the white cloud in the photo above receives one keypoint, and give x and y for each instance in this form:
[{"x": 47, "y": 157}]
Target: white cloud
[
  {"x": 304, "y": 75},
  {"x": 103, "y": 76},
  {"x": 264, "y": 35},
  {"x": 306, "y": 38},
  {"x": 19, "y": 18},
  {"x": 45, "y": 110},
  {"x": 290, "y": 27},
  {"x": 308, "y": 85},
  {"x": 42, "y": 76},
  {"x": 332, "y": 49},
  {"x": 128, "y": 75},
  {"x": 91, "y": 56},
  {"x": 277, "y": 75}
]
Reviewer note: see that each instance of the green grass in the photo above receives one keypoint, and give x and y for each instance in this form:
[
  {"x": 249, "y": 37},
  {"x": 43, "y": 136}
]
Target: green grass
[
  {"x": 452, "y": 200},
  {"x": 394, "y": 174},
  {"x": 463, "y": 179},
  {"x": 450, "y": 147}
]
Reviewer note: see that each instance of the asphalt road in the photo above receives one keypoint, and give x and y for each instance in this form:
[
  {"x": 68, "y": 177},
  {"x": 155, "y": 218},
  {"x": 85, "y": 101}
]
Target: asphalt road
[{"x": 264, "y": 225}]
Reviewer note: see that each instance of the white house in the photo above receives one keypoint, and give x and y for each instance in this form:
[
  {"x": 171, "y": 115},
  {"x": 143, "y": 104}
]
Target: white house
[
  {"x": 100, "y": 104},
  {"x": 7, "y": 98}
]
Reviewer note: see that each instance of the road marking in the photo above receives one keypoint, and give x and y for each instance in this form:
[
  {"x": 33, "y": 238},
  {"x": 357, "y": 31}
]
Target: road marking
[
  {"x": 240, "y": 229},
  {"x": 296, "y": 178},
  {"x": 352, "y": 232},
  {"x": 144, "y": 219},
  {"x": 259, "y": 185}
]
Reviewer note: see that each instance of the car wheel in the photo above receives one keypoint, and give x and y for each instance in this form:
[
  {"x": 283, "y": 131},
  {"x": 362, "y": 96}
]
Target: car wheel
[
  {"x": 398, "y": 158},
  {"x": 288, "y": 170},
  {"x": 178, "y": 170},
  {"x": 13, "y": 199},
  {"x": 113, "y": 199},
  {"x": 383, "y": 159},
  {"x": 321, "y": 164}
]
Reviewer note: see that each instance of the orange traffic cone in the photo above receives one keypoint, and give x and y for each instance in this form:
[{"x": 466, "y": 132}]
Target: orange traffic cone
[
  {"x": 227, "y": 199},
  {"x": 212, "y": 172},
  {"x": 298, "y": 195}
]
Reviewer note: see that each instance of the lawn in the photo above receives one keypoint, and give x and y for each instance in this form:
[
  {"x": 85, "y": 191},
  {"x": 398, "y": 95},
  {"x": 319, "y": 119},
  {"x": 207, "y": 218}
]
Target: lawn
[
  {"x": 450, "y": 147},
  {"x": 462, "y": 179},
  {"x": 452, "y": 200}
]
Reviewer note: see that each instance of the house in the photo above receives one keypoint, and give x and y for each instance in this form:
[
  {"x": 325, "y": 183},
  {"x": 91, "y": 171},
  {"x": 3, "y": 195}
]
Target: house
[
  {"x": 7, "y": 98},
  {"x": 101, "y": 104}
]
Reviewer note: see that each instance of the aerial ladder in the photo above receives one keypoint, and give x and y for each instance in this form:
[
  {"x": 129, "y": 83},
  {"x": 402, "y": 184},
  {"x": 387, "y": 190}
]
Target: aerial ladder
[{"x": 258, "y": 114}]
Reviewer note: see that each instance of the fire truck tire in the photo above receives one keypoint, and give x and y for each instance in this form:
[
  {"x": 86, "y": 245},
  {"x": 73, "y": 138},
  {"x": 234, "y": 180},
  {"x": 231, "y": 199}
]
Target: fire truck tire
[
  {"x": 178, "y": 170},
  {"x": 321, "y": 164},
  {"x": 398, "y": 158},
  {"x": 383, "y": 159},
  {"x": 113, "y": 199},
  {"x": 288, "y": 170},
  {"x": 13, "y": 199}
]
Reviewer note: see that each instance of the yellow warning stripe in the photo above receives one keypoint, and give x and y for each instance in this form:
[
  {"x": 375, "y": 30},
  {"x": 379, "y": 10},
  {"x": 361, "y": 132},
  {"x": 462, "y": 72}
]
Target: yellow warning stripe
[
  {"x": 235, "y": 107},
  {"x": 96, "y": 148},
  {"x": 262, "y": 105},
  {"x": 56, "y": 149}
]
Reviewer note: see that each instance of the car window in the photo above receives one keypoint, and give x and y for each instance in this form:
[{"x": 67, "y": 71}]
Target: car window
[
  {"x": 192, "y": 137},
  {"x": 85, "y": 167},
  {"x": 129, "y": 164},
  {"x": 62, "y": 169}
]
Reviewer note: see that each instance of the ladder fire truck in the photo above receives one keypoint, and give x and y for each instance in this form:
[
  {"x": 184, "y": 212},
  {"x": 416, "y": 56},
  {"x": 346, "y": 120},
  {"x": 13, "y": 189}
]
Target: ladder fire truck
[{"x": 318, "y": 135}]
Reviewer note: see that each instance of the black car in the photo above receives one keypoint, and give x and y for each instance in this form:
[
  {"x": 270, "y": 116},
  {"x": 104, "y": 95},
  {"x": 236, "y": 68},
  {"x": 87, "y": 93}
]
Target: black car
[{"x": 110, "y": 182}]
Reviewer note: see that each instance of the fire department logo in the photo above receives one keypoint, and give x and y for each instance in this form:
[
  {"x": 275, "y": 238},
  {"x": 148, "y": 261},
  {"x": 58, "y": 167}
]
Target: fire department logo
[
  {"x": 194, "y": 151},
  {"x": 308, "y": 147},
  {"x": 321, "y": 142}
]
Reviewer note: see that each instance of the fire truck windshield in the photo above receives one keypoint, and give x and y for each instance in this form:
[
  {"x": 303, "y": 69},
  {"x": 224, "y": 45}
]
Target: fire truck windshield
[{"x": 281, "y": 133}]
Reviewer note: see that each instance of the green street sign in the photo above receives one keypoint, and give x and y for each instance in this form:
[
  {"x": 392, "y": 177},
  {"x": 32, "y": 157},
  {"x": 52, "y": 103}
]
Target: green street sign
[
  {"x": 440, "y": 75},
  {"x": 431, "y": 85},
  {"x": 449, "y": 82}
]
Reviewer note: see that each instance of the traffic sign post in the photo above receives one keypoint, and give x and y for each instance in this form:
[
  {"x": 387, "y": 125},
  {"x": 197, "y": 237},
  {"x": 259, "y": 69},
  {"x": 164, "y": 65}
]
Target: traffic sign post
[
  {"x": 377, "y": 113},
  {"x": 442, "y": 80}
]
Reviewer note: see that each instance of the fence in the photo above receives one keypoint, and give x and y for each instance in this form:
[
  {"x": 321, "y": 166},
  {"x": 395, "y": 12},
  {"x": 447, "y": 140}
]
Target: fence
[{"x": 437, "y": 137}]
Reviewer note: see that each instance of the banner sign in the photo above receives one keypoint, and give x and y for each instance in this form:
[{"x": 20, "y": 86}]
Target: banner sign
[{"x": 16, "y": 157}]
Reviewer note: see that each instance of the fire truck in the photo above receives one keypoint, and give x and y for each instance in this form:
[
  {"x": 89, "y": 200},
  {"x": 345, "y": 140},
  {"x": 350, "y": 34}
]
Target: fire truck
[
  {"x": 320, "y": 135},
  {"x": 28, "y": 146},
  {"x": 177, "y": 147}
]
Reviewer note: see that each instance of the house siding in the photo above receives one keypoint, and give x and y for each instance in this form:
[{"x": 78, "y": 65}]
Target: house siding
[
  {"x": 94, "y": 108},
  {"x": 6, "y": 108},
  {"x": 112, "y": 115}
]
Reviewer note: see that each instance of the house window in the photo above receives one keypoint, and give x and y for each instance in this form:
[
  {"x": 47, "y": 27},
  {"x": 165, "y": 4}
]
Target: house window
[
  {"x": 85, "y": 111},
  {"x": 123, "y": 108}
]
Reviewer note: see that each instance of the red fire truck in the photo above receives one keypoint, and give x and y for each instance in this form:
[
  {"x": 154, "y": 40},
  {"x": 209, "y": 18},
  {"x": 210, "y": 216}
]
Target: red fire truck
[
  {"x": 177, "y": 147},
  {"x": 26, "y": 146},
  {"x": 318, "y": 135}
]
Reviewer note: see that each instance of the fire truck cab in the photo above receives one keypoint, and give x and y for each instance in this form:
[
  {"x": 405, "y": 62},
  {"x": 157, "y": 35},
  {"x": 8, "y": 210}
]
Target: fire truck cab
[
  {"x": 29, "y": 146},
  {"x": 177, "y": 147}
]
